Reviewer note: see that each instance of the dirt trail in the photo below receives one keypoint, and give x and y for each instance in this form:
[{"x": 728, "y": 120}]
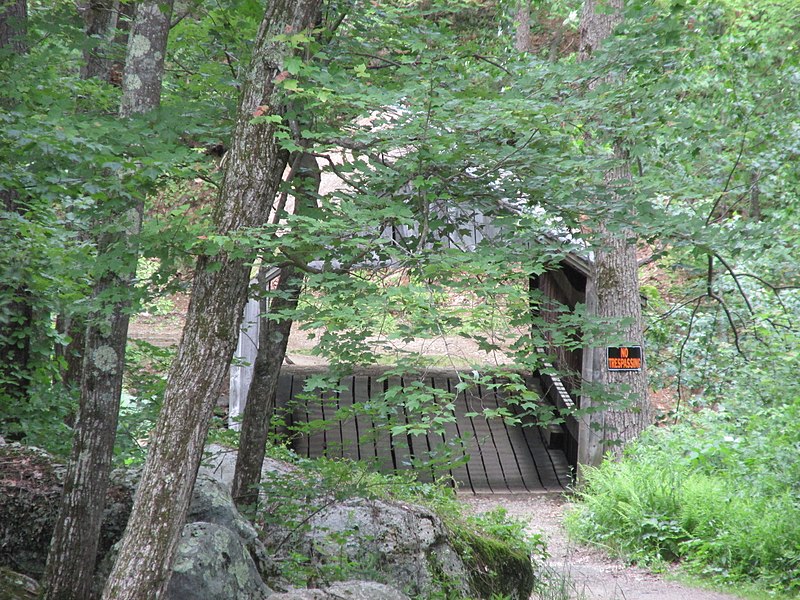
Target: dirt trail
[{"x": 594, "y": 575}]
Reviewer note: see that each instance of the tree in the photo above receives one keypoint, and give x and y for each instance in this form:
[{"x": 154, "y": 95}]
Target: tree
[
  {"x": 615, "y": 276},
  {"x": 71, "y": 560},
  {"x": 14, "y": 26},
  {"x": 17, "y": 328},
  {"x": 273, "y": 338},
  {"x": 254, "y": 170},
  {"x": 100, "y": 18}
]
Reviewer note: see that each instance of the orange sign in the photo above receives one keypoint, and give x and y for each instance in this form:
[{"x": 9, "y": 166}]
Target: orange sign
[{"x": 625, "y": 358}]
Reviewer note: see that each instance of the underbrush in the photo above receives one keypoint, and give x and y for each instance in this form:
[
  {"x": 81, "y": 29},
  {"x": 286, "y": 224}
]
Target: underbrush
[{"x": 718, "y": 493}]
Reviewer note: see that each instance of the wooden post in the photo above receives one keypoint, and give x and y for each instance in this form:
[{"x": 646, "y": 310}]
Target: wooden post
[{"x": 590, "y": 446}]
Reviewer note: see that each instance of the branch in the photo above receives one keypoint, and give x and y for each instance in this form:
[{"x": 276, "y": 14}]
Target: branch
[
  {"x": 730, "y": 175},
  {"x": 738, "y": 284},
  {"x": 732, "y": 324},
  {"x": 492, "y": 62},
  {"x": 685, "y": 341}
]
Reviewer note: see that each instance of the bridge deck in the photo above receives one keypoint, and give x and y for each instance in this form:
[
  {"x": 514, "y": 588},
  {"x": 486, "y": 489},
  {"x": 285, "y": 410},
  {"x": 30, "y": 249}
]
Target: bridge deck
[{"x": 485, "y": 455}]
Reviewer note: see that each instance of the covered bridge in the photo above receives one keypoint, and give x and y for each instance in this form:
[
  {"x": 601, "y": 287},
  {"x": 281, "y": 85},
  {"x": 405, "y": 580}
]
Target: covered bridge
[{"x": 495, "y": 455}]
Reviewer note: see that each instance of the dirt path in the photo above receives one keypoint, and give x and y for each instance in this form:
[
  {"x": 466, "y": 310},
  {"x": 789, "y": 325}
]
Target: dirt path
[{"x": 594, "y": 575}]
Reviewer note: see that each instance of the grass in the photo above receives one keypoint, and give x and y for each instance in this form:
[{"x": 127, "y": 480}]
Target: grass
[{"x": 716, "y": 495}]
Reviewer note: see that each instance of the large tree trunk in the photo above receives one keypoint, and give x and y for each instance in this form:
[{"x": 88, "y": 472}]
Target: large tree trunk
[
  {"x": 71, "y": 561},
  {"x": 14, "y": 25},
  {"x": 616, "y": 281},
  {"x": 255, "y": 167},
  {"x": 100, "y": 24},
  {"x": 16, "y": 304}
]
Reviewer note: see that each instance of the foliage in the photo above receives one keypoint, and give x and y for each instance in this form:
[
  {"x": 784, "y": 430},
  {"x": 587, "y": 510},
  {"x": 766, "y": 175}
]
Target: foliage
[
  {"x": 716, "y": 493},
  {"x": 145, "y": 380}
]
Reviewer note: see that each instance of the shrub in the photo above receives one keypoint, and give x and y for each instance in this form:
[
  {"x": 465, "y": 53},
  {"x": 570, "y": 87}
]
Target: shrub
[{"x": 712, "y": 493}]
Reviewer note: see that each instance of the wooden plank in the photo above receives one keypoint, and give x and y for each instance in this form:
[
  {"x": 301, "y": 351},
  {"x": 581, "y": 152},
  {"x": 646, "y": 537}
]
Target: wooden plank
[
  {"x": 366, "y": 430},
  {"x": 469, "y": 403},
  {"x": 401, "y": 457},
  {"x": 382, "y": 441},
  {"x": 516, "y": 471},
  {"x": 347, "y": 426},
  {"x": 438, "y": 442}
]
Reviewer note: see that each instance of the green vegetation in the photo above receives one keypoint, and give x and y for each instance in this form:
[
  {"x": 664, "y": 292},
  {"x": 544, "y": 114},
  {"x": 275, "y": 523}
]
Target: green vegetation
[{"x": 717, "y": 493}]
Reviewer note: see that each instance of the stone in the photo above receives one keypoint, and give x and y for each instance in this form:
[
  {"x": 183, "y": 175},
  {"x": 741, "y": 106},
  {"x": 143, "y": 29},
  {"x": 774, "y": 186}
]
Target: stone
[
  {"x": 220, "y": 463},
  {"x": 15, "y": 586},
  {"x": 363, "y": 590},
  {"x": 404, "y": 545},
  {"x": 344, "y": 590},
  {"x": 212, "y": 563},
  {"x": 212, "y": 503}
]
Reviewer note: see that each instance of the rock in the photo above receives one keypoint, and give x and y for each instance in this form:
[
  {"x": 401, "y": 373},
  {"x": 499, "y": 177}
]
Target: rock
[
  {"x": 15, "y": 586},
  {"x": 31, "y": 483},
  {"x": 363, "y": 590},
  {"x": 212, "y": 503},
  {"x": 301, "y": 594},
  {"x": 212, "y": 563},
  {"x": 406, "y": 546},
  {"x": 344, "y": 590},
  {"x": 220, "y": 463}
]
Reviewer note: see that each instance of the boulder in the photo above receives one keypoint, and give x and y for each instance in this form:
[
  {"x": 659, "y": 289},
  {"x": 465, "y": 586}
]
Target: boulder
[
  {"x": 344, "y": 590},
  {"x": 15, "y": 586},
  {"x": 212, "y": 563},
  {"x": 404, "y": 545},
  {"x": 219, "y": 462},
  {"x": 363, "y": 590},
  {"x": 212, "y": 503},
  {"x": 31, "y": 482}
]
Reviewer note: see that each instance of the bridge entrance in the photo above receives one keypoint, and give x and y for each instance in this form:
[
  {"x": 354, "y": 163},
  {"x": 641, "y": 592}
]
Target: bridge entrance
[{"x": 482, "y": 455}]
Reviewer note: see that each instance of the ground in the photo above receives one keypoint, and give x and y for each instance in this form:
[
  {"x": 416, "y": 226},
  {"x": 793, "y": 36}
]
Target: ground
[{"x": 594, "y": 575}]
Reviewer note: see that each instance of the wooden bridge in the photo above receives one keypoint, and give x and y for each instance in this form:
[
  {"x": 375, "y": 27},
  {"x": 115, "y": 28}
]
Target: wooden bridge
[
  {"x": 480, "y": 454},
  {"x": 492, "y": 455}
]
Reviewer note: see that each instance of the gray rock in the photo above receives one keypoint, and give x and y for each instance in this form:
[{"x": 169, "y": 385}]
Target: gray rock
[
  {"x": 363, "y": 590},
  {"x": 344, "y": 590},
  {"x": 406, "y": 546},
  {"x": 212, "y": 563},
  {"x": 15, "y": 586},
  {"x": 301, "y": 594},
  {"x": 212, "y": 503},
  {"x": 220, "y": 463}
]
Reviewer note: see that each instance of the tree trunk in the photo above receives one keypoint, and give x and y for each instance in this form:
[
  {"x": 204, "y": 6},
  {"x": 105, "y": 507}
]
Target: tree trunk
[
  {"x": 144, "y": 62},
  {"x": 255, "y": 167},
  {"x": 100, "y": 24},
  {"x": 272, "y": 341},
  {"x": 16, "y": 304},
  {"x": 14, "y": 25},
  {"x": 71, "y": 560},
  {"x": 615, "y": 276},
  {"x": 522, "y": 37}
]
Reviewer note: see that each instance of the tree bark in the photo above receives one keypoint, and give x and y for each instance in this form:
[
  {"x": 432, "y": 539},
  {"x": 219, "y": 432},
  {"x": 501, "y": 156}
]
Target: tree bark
[
  {"x": 272, "y": 341},
  {"x": 100, "y": 25},
  {"x": 144, "y": 62},
  {"x": 522, "y": 36},
  {"x": 14, "y": 25},
  {"x": 16, "y": 303},
  {"x": 73, "y": 550},
  {"x": 255, "y": 167},
  {"x": 616, "y": 272}
]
